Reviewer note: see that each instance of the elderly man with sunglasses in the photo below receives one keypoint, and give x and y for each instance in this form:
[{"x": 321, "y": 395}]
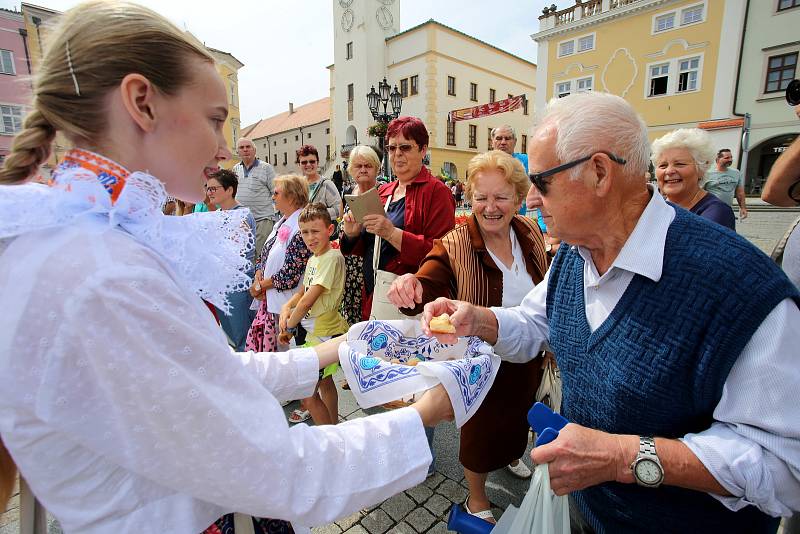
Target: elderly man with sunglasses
[{"x": 676, "y": 340}]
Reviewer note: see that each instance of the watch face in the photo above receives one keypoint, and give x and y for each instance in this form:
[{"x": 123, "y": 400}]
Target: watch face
[
  {"x": 385, "y": 18},
  {"x": 648, "y": 471},
  {"x": 347, "y": 20}
]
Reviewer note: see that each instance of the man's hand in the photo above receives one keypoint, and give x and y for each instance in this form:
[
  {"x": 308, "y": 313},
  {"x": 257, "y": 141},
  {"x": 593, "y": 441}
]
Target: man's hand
[
  {"x": 406, "y": 291},
  {"x": 742, "y": 212},
  {"x": 581, "y": 457},
  {"x": 380, "y": 225},
  {"x": 462, "y": 317}
]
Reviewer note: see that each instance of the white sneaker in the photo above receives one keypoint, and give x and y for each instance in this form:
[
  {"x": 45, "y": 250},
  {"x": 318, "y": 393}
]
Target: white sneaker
[{"x": 520, "y": 470}]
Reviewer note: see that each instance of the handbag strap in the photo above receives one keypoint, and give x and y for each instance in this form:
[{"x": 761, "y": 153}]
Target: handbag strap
[
  {"x": 777, "y": 252},
  {"x": 376, "y": 252},
  {"x": 319, "y": 186}
]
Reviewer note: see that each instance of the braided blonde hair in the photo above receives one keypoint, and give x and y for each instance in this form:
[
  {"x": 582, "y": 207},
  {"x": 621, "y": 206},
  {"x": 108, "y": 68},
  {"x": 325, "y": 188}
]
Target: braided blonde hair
[{"x": 95, "y": 45}]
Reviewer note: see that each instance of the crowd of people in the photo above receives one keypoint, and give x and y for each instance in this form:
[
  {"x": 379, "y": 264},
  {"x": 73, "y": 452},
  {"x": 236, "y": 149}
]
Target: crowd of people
[{"x": 160, "y": 362}]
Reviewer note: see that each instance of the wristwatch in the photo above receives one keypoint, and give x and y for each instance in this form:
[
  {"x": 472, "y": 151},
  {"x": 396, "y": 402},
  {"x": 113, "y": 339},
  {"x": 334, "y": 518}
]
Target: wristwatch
[{"x": 647, "y": 469}]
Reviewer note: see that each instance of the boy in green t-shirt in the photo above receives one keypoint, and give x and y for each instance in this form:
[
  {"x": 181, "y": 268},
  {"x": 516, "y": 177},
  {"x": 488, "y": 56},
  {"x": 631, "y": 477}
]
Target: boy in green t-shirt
[{"x": 316, "y": 305}]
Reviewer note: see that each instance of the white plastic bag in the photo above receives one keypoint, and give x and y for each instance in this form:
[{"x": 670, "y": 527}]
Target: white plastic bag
[{"x": 541, "y": 511}]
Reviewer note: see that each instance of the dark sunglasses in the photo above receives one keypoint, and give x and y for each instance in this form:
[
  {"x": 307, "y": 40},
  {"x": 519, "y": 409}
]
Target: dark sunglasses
[
  {"x": 538, "y": 178},
  {"x": 308, "y": 162},
  {"x": 405, "y": 149}
]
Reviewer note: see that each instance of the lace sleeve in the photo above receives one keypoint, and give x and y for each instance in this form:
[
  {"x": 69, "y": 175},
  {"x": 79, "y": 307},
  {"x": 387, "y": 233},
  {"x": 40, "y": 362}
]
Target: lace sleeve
[{"x": 294, "y": 265}]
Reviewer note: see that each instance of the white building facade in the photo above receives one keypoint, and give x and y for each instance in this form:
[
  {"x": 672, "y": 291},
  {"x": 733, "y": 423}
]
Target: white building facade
[
  {"x": 769, "y": 59},
  {"x": 437, "y": 69},
  {"x": 278, "y": 138}
]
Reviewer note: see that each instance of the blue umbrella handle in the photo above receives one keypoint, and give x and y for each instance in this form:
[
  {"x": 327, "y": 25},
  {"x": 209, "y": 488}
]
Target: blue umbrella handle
[{"x": 545, "y": 423}]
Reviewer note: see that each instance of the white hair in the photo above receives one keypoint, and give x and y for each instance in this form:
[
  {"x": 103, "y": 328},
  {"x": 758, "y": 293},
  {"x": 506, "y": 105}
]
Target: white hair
[
  {"x": 594, "y": 122},
  {"x": 696, "y": 141},
  {"x": 365, "y": 152},
  {"x": 504, "y": 127}
]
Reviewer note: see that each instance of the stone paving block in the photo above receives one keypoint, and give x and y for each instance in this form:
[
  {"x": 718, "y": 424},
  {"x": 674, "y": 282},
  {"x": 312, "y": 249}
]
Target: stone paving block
[
  {"x": 402, "y": 528},
  {"x": 439, "y": 528},
  {"x": 452, "y": 490},
  {"x": 356, "y": 529},
  {"x": 398, "y": 506},
  {"x": 350, "y": 520},
  {"x": 377, "y": 522},
  {"x": 333, "y": 528},
  {"x": 420, "y": 519},
  {"x": 420, "y": 493},
  {"x": 438, "y": 505},
  {"x": 434, "y": 480},
  {"x": 356, "y": 414}
]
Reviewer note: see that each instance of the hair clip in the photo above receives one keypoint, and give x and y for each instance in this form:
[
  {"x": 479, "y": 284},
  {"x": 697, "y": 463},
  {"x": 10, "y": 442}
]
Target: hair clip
[{"x": 72, "y": 72}]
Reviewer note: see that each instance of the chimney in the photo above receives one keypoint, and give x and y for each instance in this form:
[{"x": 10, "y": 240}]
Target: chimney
[{"x": 291, "y": 108}]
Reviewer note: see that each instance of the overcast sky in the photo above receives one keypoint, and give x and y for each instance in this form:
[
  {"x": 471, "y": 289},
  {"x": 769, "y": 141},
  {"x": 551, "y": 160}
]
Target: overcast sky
[{"x": 286, "y": 45}]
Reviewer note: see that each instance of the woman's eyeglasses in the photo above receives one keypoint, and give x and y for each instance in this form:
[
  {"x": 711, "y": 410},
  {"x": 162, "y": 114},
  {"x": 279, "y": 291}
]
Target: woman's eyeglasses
[
  {"x": 214, "y": 188},
  {"x": 308, "y": 162},
  {"x": 538, "y": 178},
  {"x": 404, "y": 149}
]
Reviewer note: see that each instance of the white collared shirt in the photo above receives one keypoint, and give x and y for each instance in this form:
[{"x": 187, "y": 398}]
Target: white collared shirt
[{"x": 753, "y": 446}]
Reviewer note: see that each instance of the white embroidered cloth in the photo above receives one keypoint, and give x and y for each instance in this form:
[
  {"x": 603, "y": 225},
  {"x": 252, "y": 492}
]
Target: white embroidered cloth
[
  {"x": 369, "y": 359},
  {"x": 208, "y": 251}
]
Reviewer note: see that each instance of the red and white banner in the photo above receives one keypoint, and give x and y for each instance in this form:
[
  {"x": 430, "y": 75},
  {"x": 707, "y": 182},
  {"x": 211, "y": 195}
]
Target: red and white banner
[{"x": 484, "y": 110}]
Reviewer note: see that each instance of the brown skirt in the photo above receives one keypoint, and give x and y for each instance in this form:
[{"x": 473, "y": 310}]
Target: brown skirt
[{"x": 498, "y": 432}]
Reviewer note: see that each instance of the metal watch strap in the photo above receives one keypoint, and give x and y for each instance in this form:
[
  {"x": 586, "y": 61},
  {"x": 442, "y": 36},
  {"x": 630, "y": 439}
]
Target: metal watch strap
[{"x": 647, "y": 446}]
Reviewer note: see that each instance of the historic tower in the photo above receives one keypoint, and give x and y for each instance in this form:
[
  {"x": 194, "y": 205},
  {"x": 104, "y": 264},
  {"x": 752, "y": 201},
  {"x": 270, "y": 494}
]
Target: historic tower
[{"x": 360, "y": 29}]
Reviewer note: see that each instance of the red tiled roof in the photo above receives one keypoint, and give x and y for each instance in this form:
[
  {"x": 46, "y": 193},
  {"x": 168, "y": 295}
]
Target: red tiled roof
[{"x": 306, "y": 115}]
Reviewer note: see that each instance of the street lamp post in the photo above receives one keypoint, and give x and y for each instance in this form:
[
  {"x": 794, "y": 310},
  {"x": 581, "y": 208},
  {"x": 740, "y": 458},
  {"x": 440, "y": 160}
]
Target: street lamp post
[{"x": 382, "y": 98}]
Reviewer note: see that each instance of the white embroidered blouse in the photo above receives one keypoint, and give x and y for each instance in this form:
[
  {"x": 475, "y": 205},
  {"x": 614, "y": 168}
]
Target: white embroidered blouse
[{"x": 123, "y": 406}]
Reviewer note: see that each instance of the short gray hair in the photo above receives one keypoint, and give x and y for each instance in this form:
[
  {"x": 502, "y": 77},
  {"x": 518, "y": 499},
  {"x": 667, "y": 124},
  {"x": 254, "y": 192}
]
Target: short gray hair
[
  {"x": 365, "y": 152},
  {"x": 698, "y": 142},
  {"x": 245, "y": 139},
  {"x": 593, "y": 122},
  {"x": 504, "y": 127}
]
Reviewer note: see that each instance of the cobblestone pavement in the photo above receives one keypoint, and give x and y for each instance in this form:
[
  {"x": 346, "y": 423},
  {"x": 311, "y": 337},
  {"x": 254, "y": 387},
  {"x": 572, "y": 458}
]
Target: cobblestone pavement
[{"x": 424, "y": 508}]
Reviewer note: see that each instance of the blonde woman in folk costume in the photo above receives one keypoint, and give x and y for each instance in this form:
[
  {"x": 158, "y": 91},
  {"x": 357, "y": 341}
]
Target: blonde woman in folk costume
[{"x": 122, "y": 405}]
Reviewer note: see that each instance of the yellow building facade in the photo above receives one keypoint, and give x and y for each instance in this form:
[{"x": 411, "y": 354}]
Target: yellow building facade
[
  {"x": 228, "y": 67},
  {"x": 673, "y": 60}
]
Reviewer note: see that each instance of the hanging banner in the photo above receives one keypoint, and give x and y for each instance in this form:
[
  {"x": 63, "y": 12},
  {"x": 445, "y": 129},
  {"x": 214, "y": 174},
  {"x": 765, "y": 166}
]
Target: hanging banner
[{"x": 484, "y": 110}]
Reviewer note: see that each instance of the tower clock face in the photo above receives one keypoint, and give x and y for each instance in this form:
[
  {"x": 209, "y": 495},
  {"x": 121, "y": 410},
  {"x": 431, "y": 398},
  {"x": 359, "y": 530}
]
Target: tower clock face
[
  {"x": 385, "y": 18},
  {"x": 347, "y": 20},
  {"x": 345, "y": 3}
]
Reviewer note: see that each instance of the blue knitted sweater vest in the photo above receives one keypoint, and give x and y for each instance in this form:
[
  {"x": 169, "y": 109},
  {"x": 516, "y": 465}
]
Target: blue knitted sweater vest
[{"x": 658, "y": 363}]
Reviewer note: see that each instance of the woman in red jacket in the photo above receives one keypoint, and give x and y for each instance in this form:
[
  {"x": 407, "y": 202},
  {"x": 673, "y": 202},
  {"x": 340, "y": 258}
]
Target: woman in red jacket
[{"x": 420, "y": 209}]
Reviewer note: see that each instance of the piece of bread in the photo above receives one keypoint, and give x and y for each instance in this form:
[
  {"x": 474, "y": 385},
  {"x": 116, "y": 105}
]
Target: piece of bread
[{"x": 442, "y": 325}]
